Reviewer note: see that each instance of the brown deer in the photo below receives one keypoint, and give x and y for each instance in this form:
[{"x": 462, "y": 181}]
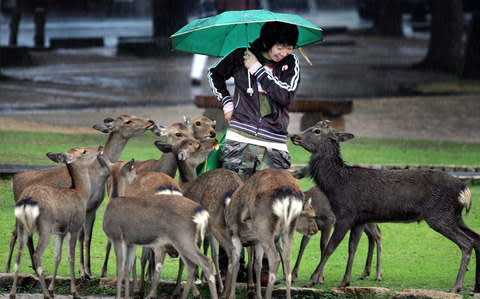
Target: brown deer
[
  {"x": 47, "y": 210},
  {"x": 265, "y": 207},
  {"x": 120, "y": 131},
  {"x": 361, "y": 195},
  {"x": 124, "y": 181},
  {"x": 199, "y": 128},
  {"x": 158, "y": 221}
]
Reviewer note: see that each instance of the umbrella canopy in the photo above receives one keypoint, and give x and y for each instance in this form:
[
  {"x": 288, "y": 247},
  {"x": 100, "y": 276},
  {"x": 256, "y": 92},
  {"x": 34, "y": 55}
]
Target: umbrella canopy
[{"x": 220, "y": 34}]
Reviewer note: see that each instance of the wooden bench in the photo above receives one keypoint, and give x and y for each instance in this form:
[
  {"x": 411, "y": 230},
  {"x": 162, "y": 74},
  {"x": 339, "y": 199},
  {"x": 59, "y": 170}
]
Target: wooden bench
[{"x": 313, "y": 110}]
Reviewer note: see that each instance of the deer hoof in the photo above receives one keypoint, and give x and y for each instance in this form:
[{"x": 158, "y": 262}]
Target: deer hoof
[
  {"x": 12, "y": 296},
  {"x": 76, "y": 295}
]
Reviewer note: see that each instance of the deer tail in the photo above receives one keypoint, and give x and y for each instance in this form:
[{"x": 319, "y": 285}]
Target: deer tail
[
  {"x": 287, "y": 205},
  {"x": 465, "y": 198},
  {"x": 27, "y": 212},
  {"x": 200, "y": 218}
]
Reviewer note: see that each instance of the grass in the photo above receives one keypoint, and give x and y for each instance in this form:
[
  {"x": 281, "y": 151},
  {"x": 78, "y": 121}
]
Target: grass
[{"x": 414, "y": 256}]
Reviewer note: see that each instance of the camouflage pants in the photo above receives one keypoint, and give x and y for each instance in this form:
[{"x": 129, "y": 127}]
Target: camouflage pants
[{"x": 247, "y": 159}]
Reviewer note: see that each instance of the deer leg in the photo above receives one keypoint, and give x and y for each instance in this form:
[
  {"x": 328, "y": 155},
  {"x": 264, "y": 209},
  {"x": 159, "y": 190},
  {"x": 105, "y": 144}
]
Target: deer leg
[
  {"x": 378, "y": 241},
  {"x": 72, "y": 242},
  {"x": 371, "y": 248},
  {"x": 129, "y": 262},
  {"x": 178, "y": 283},
  {"x": 454, "y": 232},
  {"x": 288, "y": 239},
  {"x": 43, "y": 239},
  {"x": 105, "y": 262},
  {"x": 13, "y": 240},
  {"x": 337, "y": 236},
  {"x": 81, "y": 242},
  {"x": 476, "y": 244},
  {"x": 143, "y": 262},
  {"x": 234, "y": 265},
  {"x": 214, "y": 246},
  {"x": 89, "y": 221},
  {"x": 258, "y": 250},
  {"x": 280, "y": 254},
  {"x": 22, "y": 240},
  {"x": 303, "y": 245},
  {"x": 355, "y": 235},
  {"x": 273, "y": 264},
  {"x": 120, "y": 253},
  {"x": 159, "y": 254},
  {"x": 58, "y": 258}
]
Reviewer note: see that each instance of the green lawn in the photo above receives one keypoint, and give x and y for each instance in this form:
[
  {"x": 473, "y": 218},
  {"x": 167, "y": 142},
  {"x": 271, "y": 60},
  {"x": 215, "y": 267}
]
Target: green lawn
[{"x": 414, "y": 256}]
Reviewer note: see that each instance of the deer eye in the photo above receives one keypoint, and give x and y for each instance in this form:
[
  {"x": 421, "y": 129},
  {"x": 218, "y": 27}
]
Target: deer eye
[
  {"x": 179, "y": 135},
  {"x": 317, "y": 131},
  {"x": 128, "y": 122},
  {"x": 197, "y": 123},
  {"x": 84, "y": 152}
]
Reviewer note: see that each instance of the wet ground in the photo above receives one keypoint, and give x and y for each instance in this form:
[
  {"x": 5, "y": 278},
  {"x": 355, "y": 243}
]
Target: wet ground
[{"x": 80, "y": 87}]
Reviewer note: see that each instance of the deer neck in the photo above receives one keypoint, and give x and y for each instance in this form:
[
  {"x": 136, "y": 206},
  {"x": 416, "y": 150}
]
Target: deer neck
[
  {"x": 80, "y": 180},
  {"x": 166, "y": 164},
  {"x": 114, "y": 147},
  {"x": 187, "y": 174}
]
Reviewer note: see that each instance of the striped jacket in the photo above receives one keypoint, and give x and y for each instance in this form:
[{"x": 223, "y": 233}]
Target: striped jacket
[{"x": 281, "y": 83}]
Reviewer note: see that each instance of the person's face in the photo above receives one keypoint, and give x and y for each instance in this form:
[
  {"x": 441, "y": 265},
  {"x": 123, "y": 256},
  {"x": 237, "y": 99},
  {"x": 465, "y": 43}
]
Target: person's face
[{"x": 278, "y": 52}]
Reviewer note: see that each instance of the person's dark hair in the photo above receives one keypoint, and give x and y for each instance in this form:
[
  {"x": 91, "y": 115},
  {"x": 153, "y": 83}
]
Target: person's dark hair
[{"x": 278, "y": 33}]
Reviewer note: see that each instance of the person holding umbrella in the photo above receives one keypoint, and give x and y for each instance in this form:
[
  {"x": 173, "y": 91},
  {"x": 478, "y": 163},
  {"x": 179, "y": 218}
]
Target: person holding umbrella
[{"x": 258, "y": 115}]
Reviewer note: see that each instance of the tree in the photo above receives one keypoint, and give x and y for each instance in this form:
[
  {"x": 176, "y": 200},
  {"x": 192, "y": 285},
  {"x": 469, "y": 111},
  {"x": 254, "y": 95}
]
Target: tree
[
  {"x": 471, "y": 64},
  {"x": 445, "y": 45},
  {"x": 388, "y": 18}
]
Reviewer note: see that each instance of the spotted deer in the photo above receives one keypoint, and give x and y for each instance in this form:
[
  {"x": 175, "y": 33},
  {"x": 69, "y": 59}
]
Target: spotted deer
[
  {"x": 120, "y": 131},
  {"x": 47, "y": 210}
]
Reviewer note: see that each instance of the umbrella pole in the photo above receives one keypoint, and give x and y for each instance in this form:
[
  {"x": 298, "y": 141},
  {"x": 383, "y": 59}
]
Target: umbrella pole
[{"x": 249, "y": 89}]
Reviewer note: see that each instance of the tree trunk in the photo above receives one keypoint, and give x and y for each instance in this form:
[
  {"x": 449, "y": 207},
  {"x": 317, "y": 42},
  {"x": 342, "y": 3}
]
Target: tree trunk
[
  {"x": 388, "y": 19},
  {"x": 168, "y": 16},
  {"x": 471, "y": 64},
  {"x": 445, "y": 46}
]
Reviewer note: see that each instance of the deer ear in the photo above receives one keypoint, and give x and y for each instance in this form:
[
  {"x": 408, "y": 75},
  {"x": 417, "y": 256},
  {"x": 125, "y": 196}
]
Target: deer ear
[
  {"x": 182, "y": 155},
  {"x": 60, "y": 157},
  {"x": 159, "y": 130},
  {"x": 163, "y": 147},
  {"x": 102, "y": 128},
  {"x": 129, "y": 166},
  {"x": 307, "y": 204},
  {"x": 187, "y": 120},
  {"x": 342, "y": 137}
]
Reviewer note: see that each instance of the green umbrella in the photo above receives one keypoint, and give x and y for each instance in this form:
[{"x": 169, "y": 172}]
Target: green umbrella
[{"x": 221, "y": 34}]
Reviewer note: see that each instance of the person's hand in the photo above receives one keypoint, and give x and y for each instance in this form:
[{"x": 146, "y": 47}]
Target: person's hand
[
  {"x": 249, "y": 59},
  {"x": 228, "y": 116}
]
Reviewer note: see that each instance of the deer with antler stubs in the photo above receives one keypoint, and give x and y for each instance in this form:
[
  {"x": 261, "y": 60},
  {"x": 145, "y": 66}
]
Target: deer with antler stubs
[
  {"x": 46, "y": 210},
  {"x": 361, "y": 195},
  {"x": 120, "y": 131}
]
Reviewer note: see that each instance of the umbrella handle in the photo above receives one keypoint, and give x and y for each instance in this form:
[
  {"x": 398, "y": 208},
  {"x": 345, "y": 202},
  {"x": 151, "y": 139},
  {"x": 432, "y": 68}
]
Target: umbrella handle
[{"x": 249, "y": 89}]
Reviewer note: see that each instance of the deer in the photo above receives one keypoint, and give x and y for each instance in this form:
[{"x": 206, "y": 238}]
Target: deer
[
  {"x": 264, "y": 208},
  {"x": 211, "y": 190},
  {"x": 200, "y": 128},
  {"x": 125, "y": 181},
  {"x": 360, "y": 195},
  {"x": 47, "y": 210},
  {"x": 157, "y": 221},
  {"x": 325, "y": 220},
  {"x": 120, "y": 131}
]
